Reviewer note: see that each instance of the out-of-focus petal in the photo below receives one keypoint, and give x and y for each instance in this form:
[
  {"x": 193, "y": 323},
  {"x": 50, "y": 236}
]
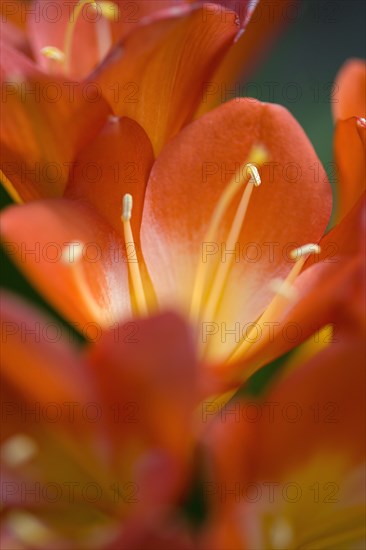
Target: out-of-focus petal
[
  {"x": 350, "y": 86},
  {"x": 44, "y": 123},
  {"x": 262, "y": 28},
  {"x": 91, "y": 286},
  {"x": 151, "y": 367},
  {"x": 350, "y": 157}
]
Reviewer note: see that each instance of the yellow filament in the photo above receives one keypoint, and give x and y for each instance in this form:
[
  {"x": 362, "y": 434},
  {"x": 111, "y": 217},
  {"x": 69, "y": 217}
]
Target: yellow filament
[
  {"x": 257, "y": 156},
  {"x": 70, "y": 30},
  {"x": 280, "y": 300},
  {"x": 222, "y": 270},
  {"x": 132, "y": 260},
  {"x": 73, "y": 260}
]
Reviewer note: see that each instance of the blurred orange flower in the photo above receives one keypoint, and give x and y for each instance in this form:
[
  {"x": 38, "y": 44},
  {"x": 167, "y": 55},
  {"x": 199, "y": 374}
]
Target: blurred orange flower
[
  {"x": 123, "y": 51},
  {"x": 349, "y": 111},
  {"x": 92, "y": 443},
  {"x": 288, "y": 470}
]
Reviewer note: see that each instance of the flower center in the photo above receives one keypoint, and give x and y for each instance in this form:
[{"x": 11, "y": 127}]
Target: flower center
[
  {"x": 107, "y": 10},
  {"x": 210, "y": 280}
]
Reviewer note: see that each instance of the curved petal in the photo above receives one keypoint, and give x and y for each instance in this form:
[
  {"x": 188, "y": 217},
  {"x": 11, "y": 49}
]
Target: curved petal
[
  {"x": 350, "y": 156},
  {"x": 180, "y": 51},
  {"x": 35, "y": 348},
  {"x": 91, "y": 285},
  {"x": 289, "y": 209},
  {"x": 329, "y": 291},
  {"x": 39, "y": 112},
  {"x": 263, "y": 26},
  {"x": 117, "y": 161},
  {"x": 349, "y": 90},
  {"x": 150, "y": 370}
]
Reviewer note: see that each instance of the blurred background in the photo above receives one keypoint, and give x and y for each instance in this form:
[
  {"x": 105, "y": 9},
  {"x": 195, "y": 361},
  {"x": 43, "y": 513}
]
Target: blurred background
[{"x": 298, "y": 72}]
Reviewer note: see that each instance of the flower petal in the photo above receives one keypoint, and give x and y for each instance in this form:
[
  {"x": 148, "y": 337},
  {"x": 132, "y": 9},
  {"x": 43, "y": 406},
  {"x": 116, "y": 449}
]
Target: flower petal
[
  {"x": 350, "y": 156},
  {"x": 329, "y": 291},
  {"x": 34, "y": 350},
  {"x": 350, "y": 90},
  {"x": 117, "y": 161},
  {"x": 180, "y": 51},
  {"x": 152, "y": 366},
  {"x": 262, "y": 26},
  {"x": 289, "y": 209},
  {"x": 45, "y": 121},
  {"x": 93, "y": 289}
]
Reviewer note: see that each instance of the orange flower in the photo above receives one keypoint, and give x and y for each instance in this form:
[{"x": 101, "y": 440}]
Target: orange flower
[
  {"x": 349, "y": 112},
  {"x": 148, "y": 42},
  {"x": 92, "y": 443},
  {"x": 287, "y": 470},
  {"x": 201, "y": 203}
]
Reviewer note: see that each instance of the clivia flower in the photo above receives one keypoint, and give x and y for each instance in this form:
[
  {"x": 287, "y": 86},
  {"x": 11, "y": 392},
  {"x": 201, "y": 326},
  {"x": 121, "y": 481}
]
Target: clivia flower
[
  {"x": 125, "y": 57},
  {"x": 214, "y": 231}
]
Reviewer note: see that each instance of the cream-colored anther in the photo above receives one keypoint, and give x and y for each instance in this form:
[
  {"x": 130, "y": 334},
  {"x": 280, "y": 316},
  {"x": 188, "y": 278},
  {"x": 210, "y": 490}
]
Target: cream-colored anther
[
  {"x": 127, "y": 204},
  {"x": 51, "y": 52}
]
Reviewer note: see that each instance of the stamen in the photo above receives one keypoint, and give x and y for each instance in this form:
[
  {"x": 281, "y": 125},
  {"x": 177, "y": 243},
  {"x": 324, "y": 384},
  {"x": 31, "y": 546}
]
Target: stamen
[
  {"x": 108, "y": 10},
  {"x": 281, "y": 287},
  {"x": 257, "y": 156},
  {"x": 110, "y": 13},
  {"x": 71, "y": 256},
  {"x": 70, "y": 30},
  {"x": 51, "y": 52},
  {"x": 304, "y": 250},
  {"x": 132, "y": 260},
  {"x": 223, "y": 269},
  {"x": 17, "y": 450},
  {"x": 279, "y": 302}
]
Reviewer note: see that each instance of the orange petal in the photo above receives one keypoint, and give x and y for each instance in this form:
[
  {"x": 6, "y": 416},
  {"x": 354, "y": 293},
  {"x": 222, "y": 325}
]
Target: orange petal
[
  {"x": 350, "y": 85},
  {"x": 296, "y": 477},
  {"x": 92, "y": 290},
  {"x": 14, "y": 12},
  {"x": 180, "y": 51},
  {"x": 186, "y": 183},
  {"x": 349, "y": 152},
  {"x": 330, "y": 291},
  {"x": 263, "y": 27},
  {"x": 152, "y": 365},
  {"x": 117, "y": 161},
  {"x": 330, "y": 416},
  {"x": 34, "y": 347},
  {"x": 45, "y": 121}
]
